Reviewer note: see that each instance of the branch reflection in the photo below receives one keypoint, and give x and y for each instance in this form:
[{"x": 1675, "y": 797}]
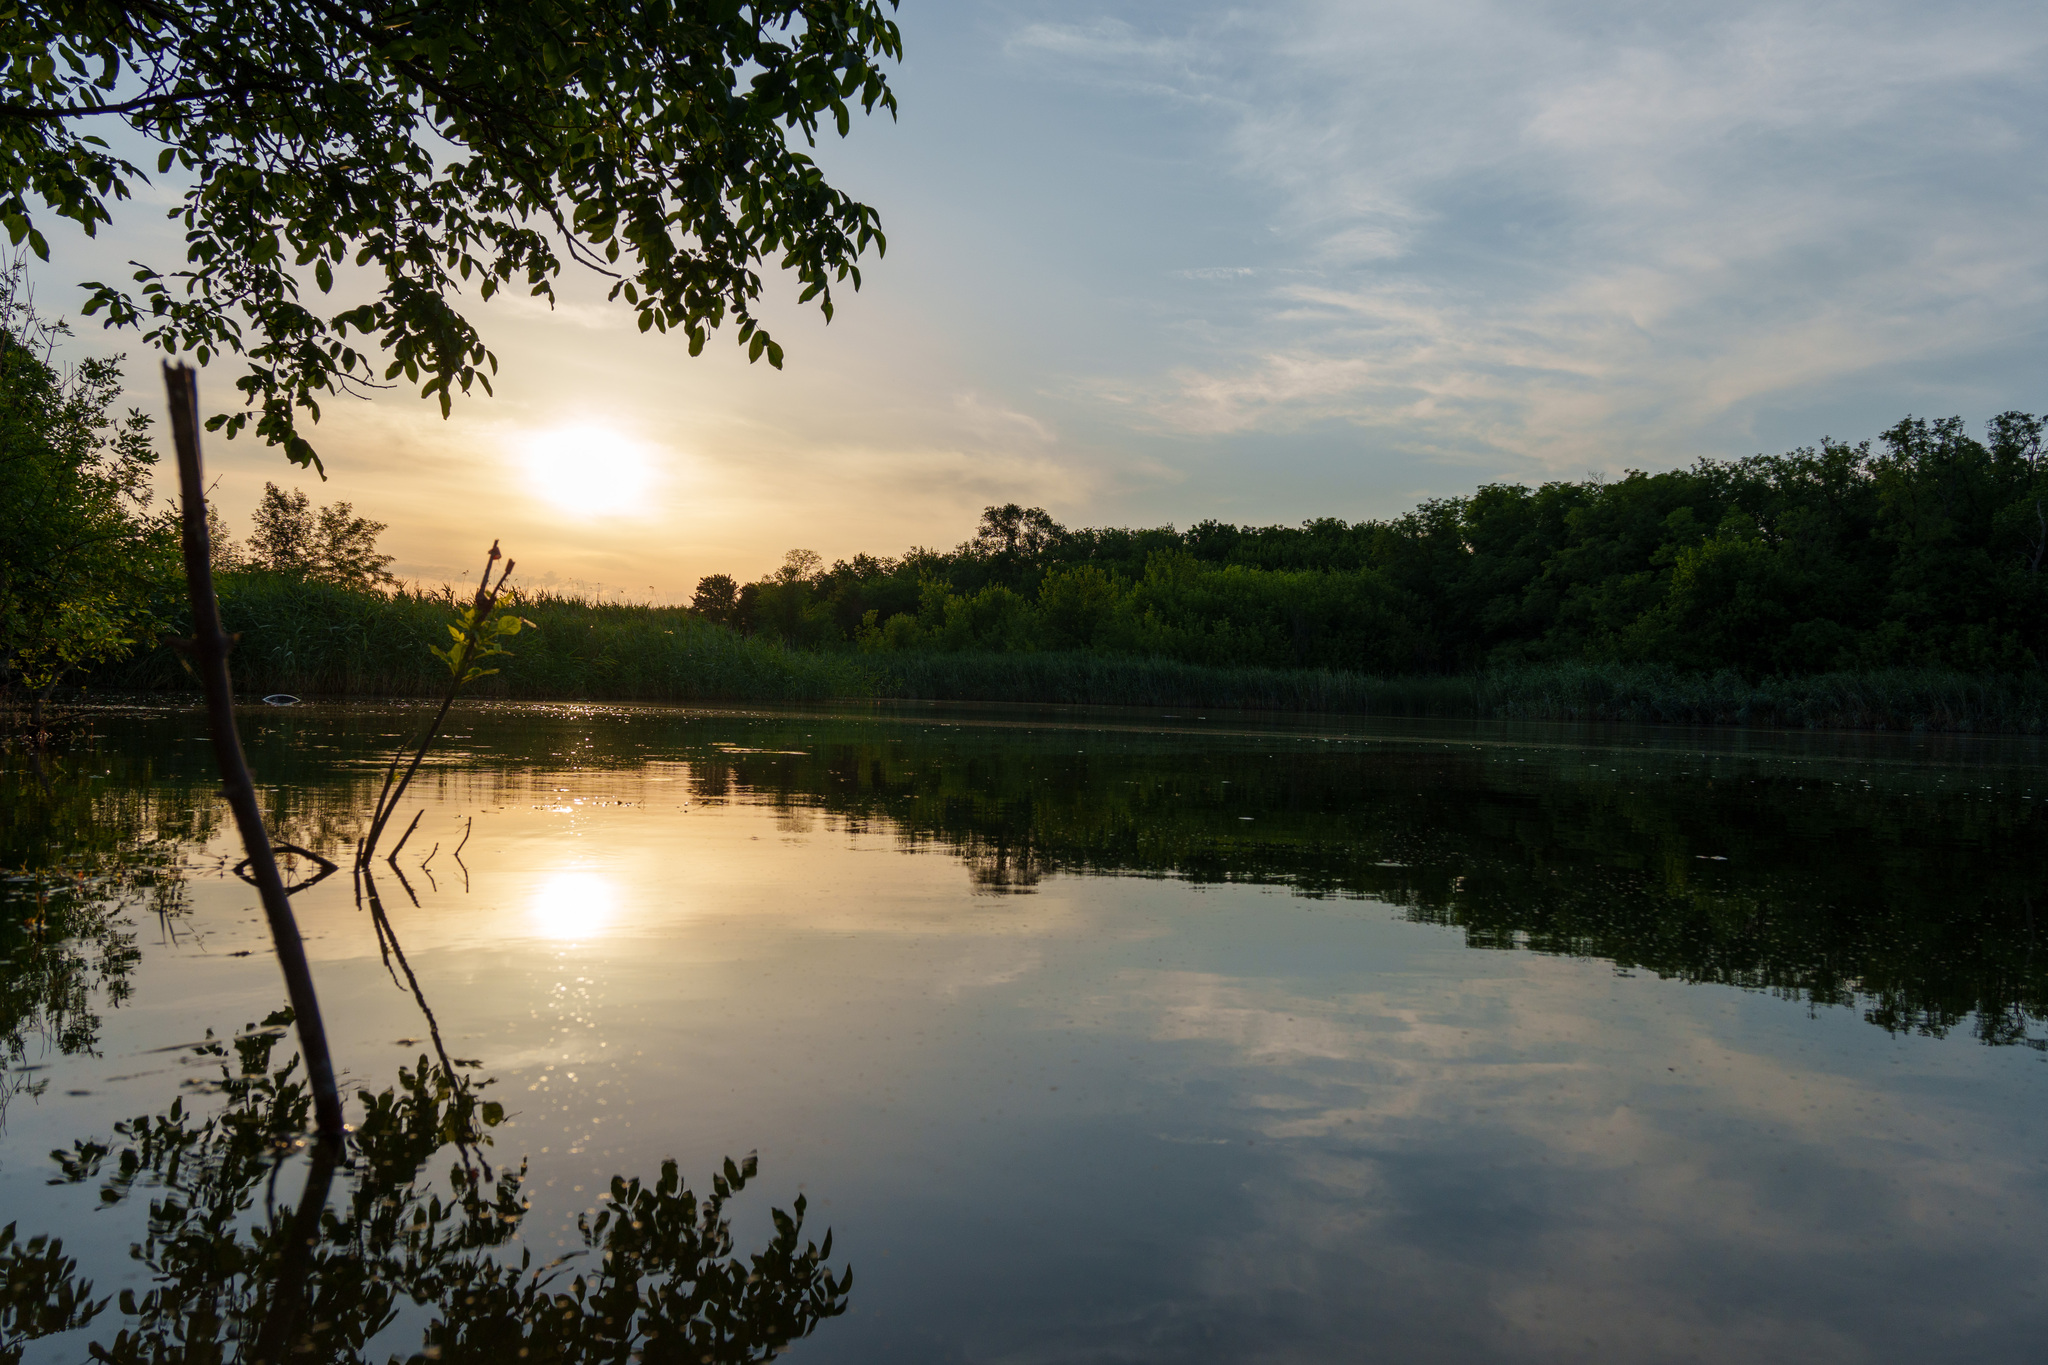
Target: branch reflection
[{"x": 374, "y": 1239}]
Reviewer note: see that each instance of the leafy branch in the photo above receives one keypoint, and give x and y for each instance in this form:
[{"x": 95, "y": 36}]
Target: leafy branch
[
  {"x": 435, "y": 149},
  {"x": 475, "y": 636}
]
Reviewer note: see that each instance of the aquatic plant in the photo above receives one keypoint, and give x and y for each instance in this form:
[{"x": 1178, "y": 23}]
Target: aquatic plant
[{"x": 475, "y": 634}]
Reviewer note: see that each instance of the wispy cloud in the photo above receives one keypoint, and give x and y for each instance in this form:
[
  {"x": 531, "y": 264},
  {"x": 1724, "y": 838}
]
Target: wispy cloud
[{"x": 1545, "y": 232}]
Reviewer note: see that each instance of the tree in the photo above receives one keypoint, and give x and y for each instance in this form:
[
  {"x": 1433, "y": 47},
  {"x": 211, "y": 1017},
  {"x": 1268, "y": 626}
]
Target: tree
[
  {"x": 1025, "y": 532},
  {"x": 786, "y": 604},
  {"x": 717, "y": 599},
  {"x": 222, "y": 552},
  {"x": 82, "y": 554},
  {"x": 332, "y": 545},
  {"x": 799, "y": 566},
  {"x": 432, "y": 147},
  {"x": 348, "y": 548},
  {"x": 281, "y": 540}
]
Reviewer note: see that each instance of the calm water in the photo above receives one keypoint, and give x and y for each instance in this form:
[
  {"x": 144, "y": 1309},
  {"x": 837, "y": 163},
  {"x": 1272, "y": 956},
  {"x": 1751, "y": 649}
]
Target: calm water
[{"x": 1089, "y": 1038}]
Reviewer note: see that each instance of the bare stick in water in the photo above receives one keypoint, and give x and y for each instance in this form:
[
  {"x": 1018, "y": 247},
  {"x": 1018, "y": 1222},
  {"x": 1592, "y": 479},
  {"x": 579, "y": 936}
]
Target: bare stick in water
[
  {"x": 393, "y": 858},
  {"x": 209, "y": 655}
]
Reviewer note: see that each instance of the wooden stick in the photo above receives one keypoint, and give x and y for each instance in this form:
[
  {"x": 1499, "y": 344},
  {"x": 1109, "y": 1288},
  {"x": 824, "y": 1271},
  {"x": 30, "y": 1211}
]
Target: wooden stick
[
  {"x": 389, "y": 932},
  {"x": 302, "y": 1237},
  {"x": 393, "y": 858},
  {"x": 210, "y": 645}
]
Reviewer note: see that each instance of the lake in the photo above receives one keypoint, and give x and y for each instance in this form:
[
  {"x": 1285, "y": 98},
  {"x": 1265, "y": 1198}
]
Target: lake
[{"x": 1090, "y": 1036}]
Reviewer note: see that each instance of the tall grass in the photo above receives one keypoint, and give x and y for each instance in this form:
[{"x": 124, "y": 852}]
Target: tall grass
[
  {"x": 1884, "y": 699},
  {"x": 1124, "y": 680},
  {"x": 314, "y": 639},
  {"x": 1876, "y": 699},
  {"x": 317, "y": 640}
]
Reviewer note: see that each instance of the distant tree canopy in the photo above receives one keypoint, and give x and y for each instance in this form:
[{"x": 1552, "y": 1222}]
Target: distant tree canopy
[
  {"x": 717, "y": 599},
  {"x": 288, "y": 536},
  {"x": 1931, "y": 548},
  {"x": 433, "y": 147}
]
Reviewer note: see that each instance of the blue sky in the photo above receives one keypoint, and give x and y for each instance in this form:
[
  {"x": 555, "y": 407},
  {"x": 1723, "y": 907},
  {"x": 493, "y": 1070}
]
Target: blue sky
[{"x": 1157, "y": 262}]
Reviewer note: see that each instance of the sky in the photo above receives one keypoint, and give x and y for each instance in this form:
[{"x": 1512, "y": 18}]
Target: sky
[{"x": 1156, "y": 262}]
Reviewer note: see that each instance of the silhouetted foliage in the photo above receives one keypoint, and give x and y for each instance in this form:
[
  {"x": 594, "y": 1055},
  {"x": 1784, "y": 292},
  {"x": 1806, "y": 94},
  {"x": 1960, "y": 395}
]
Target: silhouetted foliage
[
  {"x": 232, "y": 1277},
  {"x": 330, "y": 545},
  {"x": 86, "y": 563},
  {"x": 717, "y": 599},
  {"x": 436, "y": 149},
  {"x": 1927, "y": 551}
]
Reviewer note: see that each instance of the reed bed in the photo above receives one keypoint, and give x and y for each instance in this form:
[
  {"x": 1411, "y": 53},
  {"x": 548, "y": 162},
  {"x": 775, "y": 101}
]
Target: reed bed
[
  {"x": 1884, "y": 699},
  {"x": 313, "y": 639}
]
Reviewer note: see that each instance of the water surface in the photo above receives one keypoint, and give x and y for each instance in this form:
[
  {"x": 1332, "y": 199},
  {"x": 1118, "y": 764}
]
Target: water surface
[{"x": 1099, "y": 1037}]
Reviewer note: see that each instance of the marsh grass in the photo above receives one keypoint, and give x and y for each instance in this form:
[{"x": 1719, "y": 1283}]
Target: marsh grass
[
  {"x": 1886, "y": 699},
  {"x": 317, "y": 640}
]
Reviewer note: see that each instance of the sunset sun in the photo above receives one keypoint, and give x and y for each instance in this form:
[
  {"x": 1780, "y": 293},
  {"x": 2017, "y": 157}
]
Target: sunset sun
[{"x": 588, "y": 470}]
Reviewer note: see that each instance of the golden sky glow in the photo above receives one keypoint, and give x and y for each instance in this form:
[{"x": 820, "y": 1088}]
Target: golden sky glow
[
  {"x": 589, "y": 470},
  {"x": 1309, "y": 259}
]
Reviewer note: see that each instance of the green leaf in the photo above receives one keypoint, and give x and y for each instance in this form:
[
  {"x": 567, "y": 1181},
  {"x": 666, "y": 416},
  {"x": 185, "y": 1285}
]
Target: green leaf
[{"x": 671, "y": 158}]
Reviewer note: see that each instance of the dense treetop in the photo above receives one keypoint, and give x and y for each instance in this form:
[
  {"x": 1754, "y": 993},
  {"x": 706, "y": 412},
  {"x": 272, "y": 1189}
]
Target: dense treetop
[{"x": 1927, "y": 548}]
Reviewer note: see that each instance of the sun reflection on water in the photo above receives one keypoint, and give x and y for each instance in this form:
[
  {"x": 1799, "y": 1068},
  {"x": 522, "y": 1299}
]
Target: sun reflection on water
[{"x": 574, "y": 905}]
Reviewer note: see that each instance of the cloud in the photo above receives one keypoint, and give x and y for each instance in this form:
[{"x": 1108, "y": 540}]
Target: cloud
[
  {"x": 1316, "y": 257},
  {"x": 1544, "y": 233},
  {"x": 1505, "y": 1160},
  {"x": 1116, "y": 55}
]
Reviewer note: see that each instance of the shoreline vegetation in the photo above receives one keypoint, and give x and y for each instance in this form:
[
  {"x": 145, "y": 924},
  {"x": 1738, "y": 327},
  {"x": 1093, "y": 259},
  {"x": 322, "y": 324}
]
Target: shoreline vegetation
[
  {"x": 1895, "y": 585},
  {"x": 318, "y": 639}
]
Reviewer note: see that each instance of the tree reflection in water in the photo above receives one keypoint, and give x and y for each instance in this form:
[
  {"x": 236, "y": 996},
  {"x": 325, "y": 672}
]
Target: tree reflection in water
[{"x": 236, "y": 1277}]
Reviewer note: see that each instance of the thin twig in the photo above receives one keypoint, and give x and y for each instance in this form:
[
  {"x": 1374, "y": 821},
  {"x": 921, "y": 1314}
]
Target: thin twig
[
  {"x": 393, "y": 859},
  {"x": 485, "y": 602},
  {"x": 377, "y": 810},
  {"x": 377, "y": 923},
  {"x": 407, "y": 885},
  {"x": 419, "y": 998}
]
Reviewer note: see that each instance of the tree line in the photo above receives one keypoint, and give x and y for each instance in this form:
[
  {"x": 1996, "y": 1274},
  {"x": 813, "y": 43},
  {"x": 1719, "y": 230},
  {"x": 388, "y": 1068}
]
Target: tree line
[{"x": 1926, "y": 548}]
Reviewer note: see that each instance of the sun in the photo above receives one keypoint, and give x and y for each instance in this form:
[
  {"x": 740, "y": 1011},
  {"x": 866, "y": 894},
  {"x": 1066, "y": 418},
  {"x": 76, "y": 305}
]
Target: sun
[
  {"x": 589, "y": 470},
  {"x": 574, "y": 905}
]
